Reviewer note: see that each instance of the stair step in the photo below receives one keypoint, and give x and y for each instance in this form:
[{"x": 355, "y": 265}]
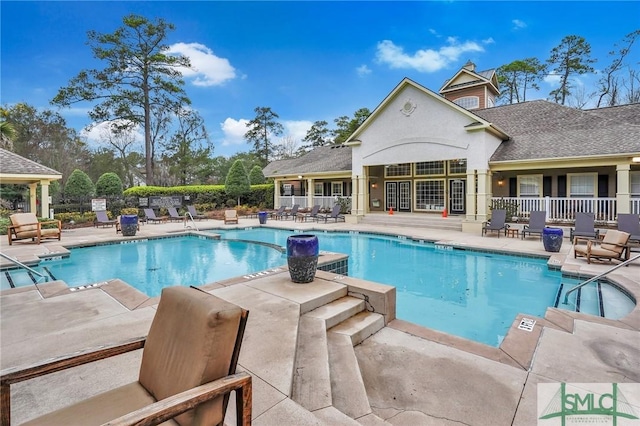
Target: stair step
[
  {"x": 311, "y": 378},
  {"x": 337, "y": 311},
  {"x": 590, "y": 299},
  {"x": 333, "y": 416},
  {"x": 360, "y": 326},
  {"x": 347, "y": 387}
]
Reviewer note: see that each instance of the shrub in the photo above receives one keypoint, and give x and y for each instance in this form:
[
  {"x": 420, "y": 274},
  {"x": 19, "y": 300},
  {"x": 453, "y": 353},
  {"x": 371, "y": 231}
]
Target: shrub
[
  {"x": 237, "y": 182},
  {"x": 79, "y": 186},
  {"x": 109, "y": 185}
]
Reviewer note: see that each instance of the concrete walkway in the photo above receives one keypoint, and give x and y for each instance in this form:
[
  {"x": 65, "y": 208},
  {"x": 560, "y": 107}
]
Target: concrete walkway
[{"x": 314, "y": 366}]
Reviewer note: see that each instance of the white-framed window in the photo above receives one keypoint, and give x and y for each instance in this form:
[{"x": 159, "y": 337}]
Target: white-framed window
[
  {"x": 336, "y": 189},
  {"x": 458, "y": 166},
  {"x": 429, "y": 194},
  {"x": 530, "y": 186},
  {"x": 634, "y": 184},
  {"x": 318, "y": 189},
  {"x": 397, "y": 170},
  {"x": 468, "y": 102},
  {"x": 425, "y": 168},
  {"x": 583, "y": 185}
]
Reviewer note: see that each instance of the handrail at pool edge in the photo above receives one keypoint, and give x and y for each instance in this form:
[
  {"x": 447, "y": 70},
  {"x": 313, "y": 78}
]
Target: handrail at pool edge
[
  {"x": 582, "y": 284},
  {"x": 22, "y": 265}
]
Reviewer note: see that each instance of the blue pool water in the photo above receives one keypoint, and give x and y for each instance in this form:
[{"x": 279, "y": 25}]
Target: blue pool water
[{"x": 151, "y": 265}]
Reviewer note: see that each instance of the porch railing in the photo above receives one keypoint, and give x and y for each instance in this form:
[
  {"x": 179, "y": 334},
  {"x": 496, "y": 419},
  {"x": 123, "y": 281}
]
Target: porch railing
[
  {"x": 303, "y": 201},
  {"x": 560, "y": 209},
  {"x": 635, "y": 206}
]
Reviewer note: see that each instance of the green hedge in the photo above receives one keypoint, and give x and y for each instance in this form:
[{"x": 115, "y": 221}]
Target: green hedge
[{"x": 213, "y": 196}]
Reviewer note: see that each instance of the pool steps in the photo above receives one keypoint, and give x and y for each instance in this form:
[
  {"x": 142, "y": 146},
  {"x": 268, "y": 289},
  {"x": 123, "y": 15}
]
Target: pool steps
[
  {"x": 326, "y": 371},
  {"x": 596, "y": 298}
]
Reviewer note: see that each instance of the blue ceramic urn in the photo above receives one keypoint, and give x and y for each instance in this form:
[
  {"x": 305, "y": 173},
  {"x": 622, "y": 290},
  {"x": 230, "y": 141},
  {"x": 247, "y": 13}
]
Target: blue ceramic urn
[
  {"x": 302, "y": 257},
  {"x": 552, "y": 239}
]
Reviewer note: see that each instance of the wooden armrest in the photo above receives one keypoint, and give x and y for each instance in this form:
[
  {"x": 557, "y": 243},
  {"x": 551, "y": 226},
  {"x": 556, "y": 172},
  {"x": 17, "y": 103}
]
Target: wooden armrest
[
  {"x": 175, "y": 405},
  {"x": 19, "y": 374}
]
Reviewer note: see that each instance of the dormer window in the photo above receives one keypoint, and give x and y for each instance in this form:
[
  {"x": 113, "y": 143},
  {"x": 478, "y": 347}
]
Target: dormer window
[{"x": 468, "y": 102}]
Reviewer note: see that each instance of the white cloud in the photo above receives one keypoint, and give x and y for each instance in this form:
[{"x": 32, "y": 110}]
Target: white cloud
[
  {"x": 424, "y": 60},
  {"x": 517, "y": 24},
  {"x": 297, "y": 129},
  {"x": 552, "y": 79},
  {"x": 98, "y": 133},
  {"x": 234, "y": 131},
  {"x": 363, "y": 70},
  {"x": 207, "y": 69},
  {"x": 489, "y": 40}
]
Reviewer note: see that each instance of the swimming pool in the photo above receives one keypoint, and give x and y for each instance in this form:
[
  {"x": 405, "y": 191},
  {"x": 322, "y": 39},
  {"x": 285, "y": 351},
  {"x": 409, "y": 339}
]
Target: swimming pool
[{"x": 471, "y": 294}]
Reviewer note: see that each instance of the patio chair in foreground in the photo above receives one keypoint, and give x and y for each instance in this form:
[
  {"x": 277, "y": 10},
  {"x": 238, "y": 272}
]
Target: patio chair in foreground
[
  {"x": 537, "y": 222},
  {"x": 195, "y": 214},
  {"x": 585, "y": 226},
  {"x": 230, "y": 216},
  {"x": 312, "y": 215},
  {"x": 614, "y": 246},
  {"x": 26, "y": 226},
  {"x": 174, "y": 216},
  {"x": 630, "y": 223},
  {"x": 150, "y": 216},
  {"x": 187, "y": 372},
  {"x": 102, "y": 219},
  {"x": 335, "y": 215},
  {"x": 497, "y": 222}
]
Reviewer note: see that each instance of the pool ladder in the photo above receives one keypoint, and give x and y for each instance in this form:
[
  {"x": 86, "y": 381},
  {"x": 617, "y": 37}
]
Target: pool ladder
[
  {"x": 192, "y": 221},
  {"x": 29, "y": 270}
]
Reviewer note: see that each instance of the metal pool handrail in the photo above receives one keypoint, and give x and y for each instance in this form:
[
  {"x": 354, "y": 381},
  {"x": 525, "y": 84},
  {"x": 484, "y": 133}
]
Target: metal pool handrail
[
  {"x": 22, "y": 265},
  {"x": 582, "y": 284},
  {"x": 192, "y": 221}
]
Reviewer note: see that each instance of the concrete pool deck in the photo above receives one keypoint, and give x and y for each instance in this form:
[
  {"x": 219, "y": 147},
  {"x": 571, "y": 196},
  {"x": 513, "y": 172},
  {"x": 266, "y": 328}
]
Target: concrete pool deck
[{"x": 401, "y": 375}]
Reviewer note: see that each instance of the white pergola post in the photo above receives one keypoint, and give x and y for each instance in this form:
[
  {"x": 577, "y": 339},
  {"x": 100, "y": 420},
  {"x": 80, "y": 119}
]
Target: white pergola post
[
  {"x": 623, "y": 195},
  {"x": 44, "y": 203}
]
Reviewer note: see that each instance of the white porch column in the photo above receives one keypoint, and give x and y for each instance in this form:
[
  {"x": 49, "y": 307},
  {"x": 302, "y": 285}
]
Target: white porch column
[
  {"x": 358, "y": 193},
  {"x": 471, "y": 195},
  {"x": 33, "y": 207},
  {"x": 310, "y": 192},
  {"x": 623, "y": 196},
  {"x": 44, "y": 203},
  {"x": 484, "y": 194},
  {"x": 276, "y": 193}
]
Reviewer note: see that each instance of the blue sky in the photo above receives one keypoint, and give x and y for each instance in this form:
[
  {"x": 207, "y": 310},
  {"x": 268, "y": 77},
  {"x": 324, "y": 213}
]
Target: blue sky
[{"x": 307, "y": 61}]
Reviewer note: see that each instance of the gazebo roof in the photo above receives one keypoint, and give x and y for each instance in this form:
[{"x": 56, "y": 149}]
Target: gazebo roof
[{"x": 15, "y": 169}]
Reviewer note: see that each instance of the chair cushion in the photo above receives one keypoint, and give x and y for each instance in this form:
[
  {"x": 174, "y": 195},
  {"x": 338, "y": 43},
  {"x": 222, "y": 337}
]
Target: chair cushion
[
  {"x": 190, "y": 343},
  {"x": 26, "y": 221},
  {"x": 100, "y": 408},
  {"x": 614, "y": 240}
]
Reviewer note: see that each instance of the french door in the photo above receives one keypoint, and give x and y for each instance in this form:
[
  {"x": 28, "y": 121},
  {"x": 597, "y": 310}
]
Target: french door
[
  {"x": 457, "y": 196},
  {"x": 398, "y": 196}
]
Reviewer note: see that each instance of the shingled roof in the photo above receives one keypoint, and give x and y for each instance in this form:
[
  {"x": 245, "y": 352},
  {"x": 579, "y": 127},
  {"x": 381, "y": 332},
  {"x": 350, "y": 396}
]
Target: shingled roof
[
  {"x": 541, "y": 129},
  {"x": 14, "y": 164},
  {"x": 334, "y": 158}
]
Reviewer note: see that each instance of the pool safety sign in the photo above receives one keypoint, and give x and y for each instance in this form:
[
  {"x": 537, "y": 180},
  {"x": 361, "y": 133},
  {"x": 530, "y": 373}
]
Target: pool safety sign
[
  {"x": 565, "y": 404},
  {"x": 526, "y": 324}
]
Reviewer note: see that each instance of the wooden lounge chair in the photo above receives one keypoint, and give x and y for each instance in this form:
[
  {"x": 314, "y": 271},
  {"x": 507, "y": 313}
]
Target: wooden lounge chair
[
  {"x": 150, "y": 216},
  {"x": 537, "y": 221},
  {"x": 497, "y": 222},
  {"x": 174, "y": 216},
  {"x": 630, "y": 223},
  {"x": 26, "y": 226},
  {"x": 312, "y": 215},
  {"x": 614, "y": 246},
  {"x": 187, "y": 372},
  {"x": 335, "y": 215},
  {"x": 585, "y": 226},
  {"x": 195, "y": 214},
  {"x": 230, "y": 216},
  {"x": 102, "y": 219}
]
